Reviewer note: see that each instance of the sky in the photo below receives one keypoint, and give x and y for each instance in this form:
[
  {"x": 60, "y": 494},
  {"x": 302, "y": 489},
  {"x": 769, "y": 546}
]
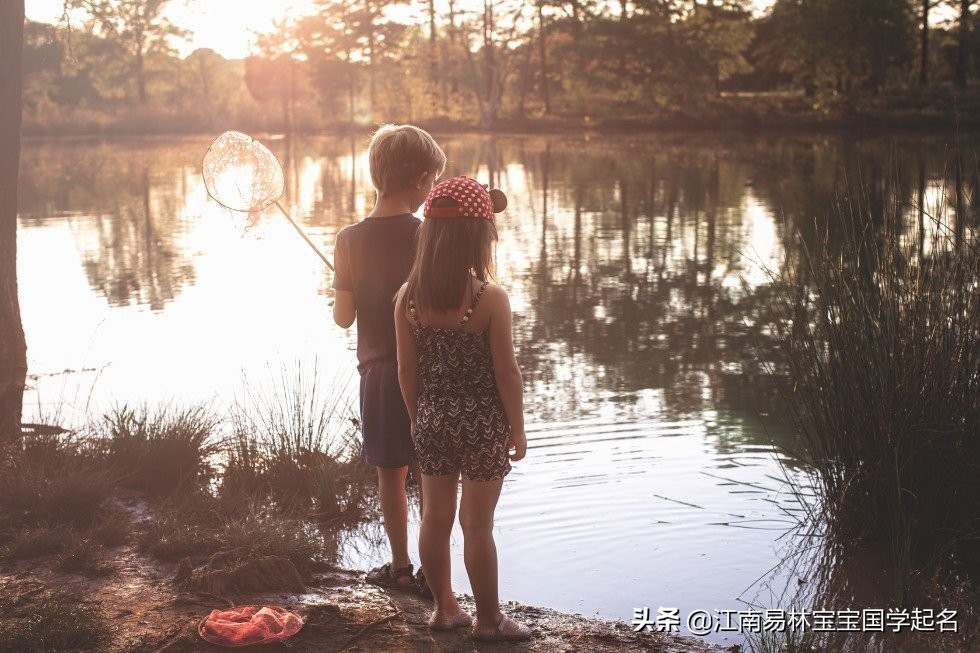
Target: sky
[{"x": 225, "y": 26}]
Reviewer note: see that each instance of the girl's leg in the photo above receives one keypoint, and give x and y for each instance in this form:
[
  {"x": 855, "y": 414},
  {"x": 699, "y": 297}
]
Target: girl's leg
[
  {"x": 438, "y": 516},
  {"x": 417, "y": 476},
  {"x": 479, "y": 550},
  {"x": 394, "y": 509}
]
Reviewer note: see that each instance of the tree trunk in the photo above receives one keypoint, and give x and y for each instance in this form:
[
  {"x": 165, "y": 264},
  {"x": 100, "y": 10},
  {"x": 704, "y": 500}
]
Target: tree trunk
[
  {"x": 451, "y": 68},
  {"x": 13, "y": 347},
  {"x": 489, "y": 67},
  {"x": 543, "y": 49},
  {"x": 434, "y": 85},
  {"x": 140, "y": 77},
  {"x": 290, "y": 95},
  {"x": 371, "y": 60},
  {"x": 924, "y": 45},
  {"x": 350, "y": 86},
  {"x": 962, "y": 52},
  {"x": 525, "y": 82}
]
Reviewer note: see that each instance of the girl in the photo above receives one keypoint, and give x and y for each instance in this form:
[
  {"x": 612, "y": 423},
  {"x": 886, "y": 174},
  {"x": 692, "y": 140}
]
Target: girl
[{"x": 463, "y": 390}]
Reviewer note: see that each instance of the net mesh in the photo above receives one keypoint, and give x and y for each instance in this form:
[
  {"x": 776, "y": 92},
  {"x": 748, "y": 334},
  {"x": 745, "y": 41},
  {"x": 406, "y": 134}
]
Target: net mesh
[
  {"x": 242, "y": 174},
  {"x": 249, "y": 625}
]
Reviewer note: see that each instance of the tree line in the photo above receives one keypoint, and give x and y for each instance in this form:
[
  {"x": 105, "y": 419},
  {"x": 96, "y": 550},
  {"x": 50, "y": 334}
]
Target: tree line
[{"x": 480, "y": 63}]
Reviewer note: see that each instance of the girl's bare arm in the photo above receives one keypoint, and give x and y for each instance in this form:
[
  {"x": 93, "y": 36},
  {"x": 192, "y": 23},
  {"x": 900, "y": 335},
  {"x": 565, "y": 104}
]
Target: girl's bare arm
[
  {"x": 407, "y": 357},
  {"x": 510, "y": 384}
]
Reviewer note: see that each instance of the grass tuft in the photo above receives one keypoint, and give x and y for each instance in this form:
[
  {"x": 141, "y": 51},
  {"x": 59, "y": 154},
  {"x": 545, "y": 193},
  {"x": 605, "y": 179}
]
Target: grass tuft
[
  {"x": 55, "y": 622},
  {"x": 203, "y": 525},
  {"x": 55, "y": 501},
  {"x": 36, "y": 542},
  {"x": 161, "y": 452},
  {"x": 297, "y": 444},
  {"x": 82, "y": 555}
]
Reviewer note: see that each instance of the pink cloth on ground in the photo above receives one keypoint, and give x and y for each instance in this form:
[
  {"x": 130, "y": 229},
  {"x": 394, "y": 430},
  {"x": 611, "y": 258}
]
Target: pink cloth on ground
[{"x": 247, "y": 625}]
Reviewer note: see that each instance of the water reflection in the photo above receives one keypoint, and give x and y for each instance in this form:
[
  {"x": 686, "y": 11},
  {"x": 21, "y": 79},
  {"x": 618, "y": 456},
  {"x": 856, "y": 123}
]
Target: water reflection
[
  {"x": 633, "y": 263},
  {"x": 130, "y": 238}
]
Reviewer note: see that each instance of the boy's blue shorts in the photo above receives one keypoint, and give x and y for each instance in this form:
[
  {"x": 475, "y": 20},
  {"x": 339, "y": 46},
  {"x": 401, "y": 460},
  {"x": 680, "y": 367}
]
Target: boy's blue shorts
[{"x": 385, "y": 426}]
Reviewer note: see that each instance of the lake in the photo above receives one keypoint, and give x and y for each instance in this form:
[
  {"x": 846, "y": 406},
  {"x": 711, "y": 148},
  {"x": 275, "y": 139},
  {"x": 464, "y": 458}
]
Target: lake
[{"x": 639, "y": 271}]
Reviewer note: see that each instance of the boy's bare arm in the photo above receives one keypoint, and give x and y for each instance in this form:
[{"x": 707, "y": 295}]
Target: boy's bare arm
[
  {"x": 343, "y": 308},
  {"x": 507, "y": 373},
  {"x": 407, "y": 358}
]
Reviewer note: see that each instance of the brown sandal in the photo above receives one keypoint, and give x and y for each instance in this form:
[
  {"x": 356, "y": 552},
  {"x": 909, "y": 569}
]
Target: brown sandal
[{"x": 385, "y": 576}]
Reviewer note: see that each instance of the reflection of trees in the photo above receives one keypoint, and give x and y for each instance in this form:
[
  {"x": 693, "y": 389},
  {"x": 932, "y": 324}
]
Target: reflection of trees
[
  {"x": 624, "y": 276},
  {"x": 637, "y": 253},
  {"x": 125, "y": 205},
  {"x": 628, "y": 252}
]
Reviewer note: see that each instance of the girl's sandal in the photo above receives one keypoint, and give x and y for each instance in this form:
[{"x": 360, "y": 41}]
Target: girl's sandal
[
  {"x": 507, "y": 630},
  {"x": 385, "y": 576},
  {"x": 459, "y": 620}
]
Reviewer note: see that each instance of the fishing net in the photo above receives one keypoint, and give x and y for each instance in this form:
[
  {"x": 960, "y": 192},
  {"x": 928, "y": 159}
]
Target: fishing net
[
  {"x": 248, "y": 625},
  {"x": 241, "y": 174}
]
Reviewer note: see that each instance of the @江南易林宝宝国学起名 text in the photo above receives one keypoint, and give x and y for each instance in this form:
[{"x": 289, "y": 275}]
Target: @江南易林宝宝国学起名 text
[{"x": 704, "y": 622}]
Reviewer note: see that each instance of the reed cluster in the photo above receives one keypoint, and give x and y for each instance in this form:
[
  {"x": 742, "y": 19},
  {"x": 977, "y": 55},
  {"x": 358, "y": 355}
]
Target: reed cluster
[
  {"x": 879, "y": 331},
  {"x": 297, "y": 444}
]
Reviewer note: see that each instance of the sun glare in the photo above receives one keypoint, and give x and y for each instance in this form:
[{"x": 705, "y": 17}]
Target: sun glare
[{"x": 229, "y": 28}]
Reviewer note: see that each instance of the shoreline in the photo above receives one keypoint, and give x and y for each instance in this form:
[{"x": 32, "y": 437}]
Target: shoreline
[
  {"x": 865, "y": 123},
  {"x": 151, "y": 608}
]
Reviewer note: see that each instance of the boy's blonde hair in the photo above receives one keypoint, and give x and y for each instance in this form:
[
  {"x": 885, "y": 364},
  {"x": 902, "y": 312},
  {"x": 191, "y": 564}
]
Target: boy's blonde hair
[{"x": 400, "y": 153}]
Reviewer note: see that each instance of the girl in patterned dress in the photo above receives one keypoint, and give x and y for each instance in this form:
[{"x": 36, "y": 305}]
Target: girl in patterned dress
[{"x": 463, "y": 391}]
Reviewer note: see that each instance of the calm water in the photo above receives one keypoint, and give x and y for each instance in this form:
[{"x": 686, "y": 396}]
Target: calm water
[{"x": 638, "y": 272}]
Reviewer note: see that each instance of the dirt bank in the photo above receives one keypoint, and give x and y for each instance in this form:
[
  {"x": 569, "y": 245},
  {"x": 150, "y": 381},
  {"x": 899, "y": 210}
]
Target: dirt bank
[{"x": 143, "y": 608}]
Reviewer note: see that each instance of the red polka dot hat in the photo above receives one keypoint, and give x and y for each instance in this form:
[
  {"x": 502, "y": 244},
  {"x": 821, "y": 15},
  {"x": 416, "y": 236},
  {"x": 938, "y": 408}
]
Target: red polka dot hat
[{"x": 473, "y": 200}]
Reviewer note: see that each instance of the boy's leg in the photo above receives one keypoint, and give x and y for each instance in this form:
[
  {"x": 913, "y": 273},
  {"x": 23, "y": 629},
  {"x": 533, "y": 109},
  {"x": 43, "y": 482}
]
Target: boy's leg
[
  {"x": 394, "y": 510},
  {"x": 437, "y": 524},
  {"x": 387, "y": 446},
  {"x": 479, "y": 550}
]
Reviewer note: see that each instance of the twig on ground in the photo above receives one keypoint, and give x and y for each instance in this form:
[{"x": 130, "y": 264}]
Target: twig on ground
[{"x": 376, "y": 622}]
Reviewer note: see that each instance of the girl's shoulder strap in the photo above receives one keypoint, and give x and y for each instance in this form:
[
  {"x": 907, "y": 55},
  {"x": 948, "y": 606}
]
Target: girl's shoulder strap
[
  {"x": 411, "y": 311},
  {"x": 476, "y": 300}
]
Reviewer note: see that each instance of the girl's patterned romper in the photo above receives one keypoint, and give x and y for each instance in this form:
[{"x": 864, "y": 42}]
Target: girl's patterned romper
[{"x": 460, "y": 424}]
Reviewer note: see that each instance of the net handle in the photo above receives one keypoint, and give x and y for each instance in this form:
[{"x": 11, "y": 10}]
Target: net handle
[{"x": 305, "y": 237}]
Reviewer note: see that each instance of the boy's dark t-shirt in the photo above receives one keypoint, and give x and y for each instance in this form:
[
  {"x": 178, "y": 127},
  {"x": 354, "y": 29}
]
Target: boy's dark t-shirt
[{"x": 372, "y": 259}]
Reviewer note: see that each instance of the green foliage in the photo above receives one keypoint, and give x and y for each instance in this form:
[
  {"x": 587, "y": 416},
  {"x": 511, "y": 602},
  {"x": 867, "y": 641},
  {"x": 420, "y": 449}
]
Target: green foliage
[
  {"x": 354, "y": 63},
  {"x": 842, "y": 45},
  {"x": 139, "y": 32},
  {"x": 55, "y": 500}
]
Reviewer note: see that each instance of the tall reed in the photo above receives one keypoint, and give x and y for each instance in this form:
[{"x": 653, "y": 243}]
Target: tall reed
[
  {"x": 879, "y": 327},
  {"x": 161, "y": 451},
  {"x": 296, "y": 441}
]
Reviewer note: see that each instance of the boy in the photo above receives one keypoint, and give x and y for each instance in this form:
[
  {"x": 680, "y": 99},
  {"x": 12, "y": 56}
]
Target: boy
[{"x": 372, "y": 260}]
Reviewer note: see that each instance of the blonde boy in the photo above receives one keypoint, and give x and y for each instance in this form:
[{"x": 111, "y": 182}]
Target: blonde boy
[{"x": 372, "y": 260}]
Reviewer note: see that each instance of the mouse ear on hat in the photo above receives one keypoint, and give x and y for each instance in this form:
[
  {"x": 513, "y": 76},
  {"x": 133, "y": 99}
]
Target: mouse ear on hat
[{"x": 499, "y": 200}]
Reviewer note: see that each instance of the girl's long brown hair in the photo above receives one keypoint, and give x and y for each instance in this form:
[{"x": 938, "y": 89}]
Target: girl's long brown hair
[{"x": 449, "y": 251}]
